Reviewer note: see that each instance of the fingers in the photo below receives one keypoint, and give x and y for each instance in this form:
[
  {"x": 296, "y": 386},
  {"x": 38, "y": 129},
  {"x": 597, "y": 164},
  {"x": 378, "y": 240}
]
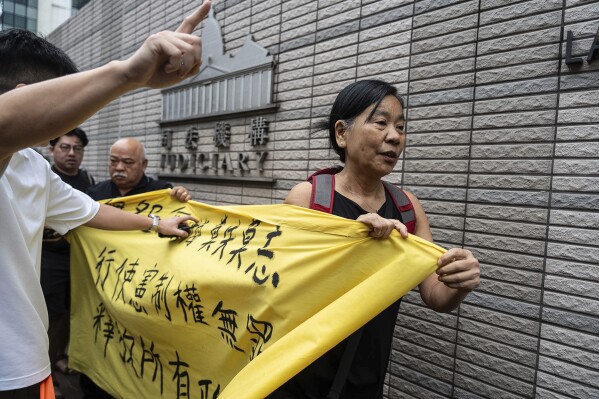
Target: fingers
[
  {"x": 182, "y": 55},
  {"x": 167, "y": 58},
  {"x": 381, "y": 227},
  {"x": 180, "y": 193},
  {"x": 181, "y": 223},
  {"x": 192, "y": 21},
  {"x": 171, "y": 227},
  {"x": 459, "y": 269},
  {"x": 454, "y": 254},
  {"x": 467, "y": 279},
  {"x": 188, "y": 59},
  {"x": 183, "y": 219},
  {"x": 399, "y": 226}
]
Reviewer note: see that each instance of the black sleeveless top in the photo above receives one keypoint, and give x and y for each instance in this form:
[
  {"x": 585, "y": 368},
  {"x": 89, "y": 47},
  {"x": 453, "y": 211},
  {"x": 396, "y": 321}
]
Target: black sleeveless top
[{"x": 367, "y": 373}]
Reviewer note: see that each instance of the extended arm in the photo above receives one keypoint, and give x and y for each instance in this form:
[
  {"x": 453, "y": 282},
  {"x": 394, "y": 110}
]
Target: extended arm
[
  {"x": 458, "y": 271},
  {"x": 457, "y": 275},
  {"x": 110, "y": 218},
  {"x": 58, "y": 105}
]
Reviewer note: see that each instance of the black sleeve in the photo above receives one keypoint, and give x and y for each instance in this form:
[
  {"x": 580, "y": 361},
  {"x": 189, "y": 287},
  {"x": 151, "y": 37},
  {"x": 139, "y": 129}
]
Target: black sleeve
[
  {"x": 158, "y": 185},
  {"x": 97, "y": 192}
]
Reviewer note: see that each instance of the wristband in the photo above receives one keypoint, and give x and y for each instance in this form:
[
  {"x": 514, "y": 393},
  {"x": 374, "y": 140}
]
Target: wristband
[{"x": 155, "y": 221}]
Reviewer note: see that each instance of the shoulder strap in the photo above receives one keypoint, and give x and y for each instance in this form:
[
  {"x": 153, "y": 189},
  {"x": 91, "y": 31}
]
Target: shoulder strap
[
  {"x": 323, "y": 195},
  {"x": 323, "y": 192},
  {"x": 345, "y": 364},
  {"x": 403, "y": 205}
]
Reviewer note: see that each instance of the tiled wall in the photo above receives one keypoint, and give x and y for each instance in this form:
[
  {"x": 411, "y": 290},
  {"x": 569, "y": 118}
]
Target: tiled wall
[{"x": 503, "y": 143}]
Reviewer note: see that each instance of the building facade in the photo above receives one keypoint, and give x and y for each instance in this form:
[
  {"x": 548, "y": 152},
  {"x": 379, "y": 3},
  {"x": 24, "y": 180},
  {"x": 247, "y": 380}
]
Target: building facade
[
  {"x": 40, "y": 16},
  {"x": 503, "y": 142}
]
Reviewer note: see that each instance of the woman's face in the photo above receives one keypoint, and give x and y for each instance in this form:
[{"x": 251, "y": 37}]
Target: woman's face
[{"x": 374, "y": 145}]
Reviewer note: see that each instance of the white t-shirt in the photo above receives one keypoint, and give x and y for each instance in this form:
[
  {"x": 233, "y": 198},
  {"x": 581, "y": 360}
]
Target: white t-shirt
[{"x": 30, "y": 193}]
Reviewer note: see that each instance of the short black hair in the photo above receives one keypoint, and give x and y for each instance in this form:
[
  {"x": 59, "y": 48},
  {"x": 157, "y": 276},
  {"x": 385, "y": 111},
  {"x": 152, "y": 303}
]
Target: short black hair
[
  {"x": 351, "y": 102},
  {"x": 78, "y": 132},
  {"x": 28, "y": 58}
]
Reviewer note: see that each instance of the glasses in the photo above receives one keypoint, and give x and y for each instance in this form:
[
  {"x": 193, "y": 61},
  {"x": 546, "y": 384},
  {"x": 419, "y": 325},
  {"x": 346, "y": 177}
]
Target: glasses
[{"x": 77, "y": 149}]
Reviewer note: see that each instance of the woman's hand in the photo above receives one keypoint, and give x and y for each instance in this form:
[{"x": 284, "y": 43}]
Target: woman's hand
[
  {"x": 459, "y": 269},
  {"x": 381, "y": 227}
]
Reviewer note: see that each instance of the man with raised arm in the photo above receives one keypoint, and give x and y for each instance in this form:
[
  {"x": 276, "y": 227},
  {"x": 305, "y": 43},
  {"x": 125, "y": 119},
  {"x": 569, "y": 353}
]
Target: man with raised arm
[{"x": 31, "y": 193}]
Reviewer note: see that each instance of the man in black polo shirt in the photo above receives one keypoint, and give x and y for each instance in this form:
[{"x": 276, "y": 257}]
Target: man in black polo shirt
[
  {"x": 67, "y": 155},
  {"x": 127, "y": 174}
]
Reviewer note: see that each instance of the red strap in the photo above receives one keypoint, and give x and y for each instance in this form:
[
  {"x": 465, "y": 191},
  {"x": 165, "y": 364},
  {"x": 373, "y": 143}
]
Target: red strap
[
  {"x": 323, "y": 192},
  {"x": 403, "y": 204},
  {"x": 323, "y": 195}
]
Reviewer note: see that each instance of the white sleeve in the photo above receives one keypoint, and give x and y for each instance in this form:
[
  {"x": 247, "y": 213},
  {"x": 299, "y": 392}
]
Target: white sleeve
[
  {"x": 4, "y": 164},
  {"x": 67, "y": 208}
]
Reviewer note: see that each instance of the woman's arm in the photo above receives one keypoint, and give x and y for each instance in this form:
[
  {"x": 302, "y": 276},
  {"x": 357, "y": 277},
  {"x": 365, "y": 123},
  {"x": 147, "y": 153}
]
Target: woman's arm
[
  {"x": 300, "y": 195},
  {"x": 458, "y": 272}
]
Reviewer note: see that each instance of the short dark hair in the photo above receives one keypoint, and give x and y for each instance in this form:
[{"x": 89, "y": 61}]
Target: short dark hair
[
  {"x": 78, "y": 132},
  {"x": 28, "y": 58},
  {"x": 351, "y": 102}
]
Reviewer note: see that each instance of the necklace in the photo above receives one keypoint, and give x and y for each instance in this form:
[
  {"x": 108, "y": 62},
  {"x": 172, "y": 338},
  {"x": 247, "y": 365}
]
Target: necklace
[{"x": 362, "y": 201}]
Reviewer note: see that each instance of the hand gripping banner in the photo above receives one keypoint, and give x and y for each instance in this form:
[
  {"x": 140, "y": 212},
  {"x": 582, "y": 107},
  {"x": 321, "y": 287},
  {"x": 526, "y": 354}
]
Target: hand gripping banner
[{"x": 250, "y": 298}]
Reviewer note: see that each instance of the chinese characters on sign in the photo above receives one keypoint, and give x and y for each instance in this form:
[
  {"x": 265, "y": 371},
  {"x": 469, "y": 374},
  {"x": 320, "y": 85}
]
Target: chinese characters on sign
[
  {"x": 151, "y": 290},
  {"x": 259, "y": 133},
  {"x": 192, "y": 138},
  {"x": 167, "y": 139},
  {"x": 221, "y": 161},
  {"x": 251, "y": 296},
  {"x": 222, "y": 135}
]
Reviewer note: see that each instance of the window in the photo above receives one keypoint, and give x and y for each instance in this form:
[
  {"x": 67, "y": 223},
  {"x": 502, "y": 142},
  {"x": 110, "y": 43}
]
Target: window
[
  {"x": 77, "y": 4},
  {"x": 20, "y": 22},
  {"x": 8, "y": 19},
  {"x": 9, "y": 6},
  {"x": 21, "y": 10}
]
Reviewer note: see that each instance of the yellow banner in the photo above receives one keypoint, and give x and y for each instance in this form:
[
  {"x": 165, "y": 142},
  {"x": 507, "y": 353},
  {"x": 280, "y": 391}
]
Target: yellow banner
[{"x": 250, "y": 298}]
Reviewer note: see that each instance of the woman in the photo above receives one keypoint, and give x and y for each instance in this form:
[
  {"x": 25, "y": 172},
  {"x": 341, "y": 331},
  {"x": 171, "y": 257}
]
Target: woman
[{"x": 366, "y": 130}]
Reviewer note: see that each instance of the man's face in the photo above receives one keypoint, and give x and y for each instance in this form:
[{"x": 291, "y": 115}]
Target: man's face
[
  {"x": 67, "y": 154},
  {"x": 126, "y": 166}
]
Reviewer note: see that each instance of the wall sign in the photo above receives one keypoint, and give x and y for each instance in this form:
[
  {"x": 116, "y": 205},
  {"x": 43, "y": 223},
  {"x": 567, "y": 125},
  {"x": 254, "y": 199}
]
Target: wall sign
[
  {"x": 579, "y": 60},
  {"x": 227, "y": 85},
  {"x": 220, "y": 163}
]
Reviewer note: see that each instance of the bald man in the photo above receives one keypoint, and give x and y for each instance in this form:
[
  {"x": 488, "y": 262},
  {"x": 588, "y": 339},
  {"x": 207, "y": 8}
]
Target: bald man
[{"x": 127, "y": 166}]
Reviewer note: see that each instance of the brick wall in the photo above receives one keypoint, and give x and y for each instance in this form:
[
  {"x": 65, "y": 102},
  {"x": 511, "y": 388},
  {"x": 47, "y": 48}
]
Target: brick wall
[{"x": 503, "y": 143}]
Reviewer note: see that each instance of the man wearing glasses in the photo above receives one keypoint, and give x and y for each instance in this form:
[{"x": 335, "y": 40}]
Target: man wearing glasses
[{"x": 67, "y": 154}]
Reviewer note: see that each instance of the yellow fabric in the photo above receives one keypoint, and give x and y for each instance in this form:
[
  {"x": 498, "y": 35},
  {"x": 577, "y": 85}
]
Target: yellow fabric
[{"x": 156, "y": 317}]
